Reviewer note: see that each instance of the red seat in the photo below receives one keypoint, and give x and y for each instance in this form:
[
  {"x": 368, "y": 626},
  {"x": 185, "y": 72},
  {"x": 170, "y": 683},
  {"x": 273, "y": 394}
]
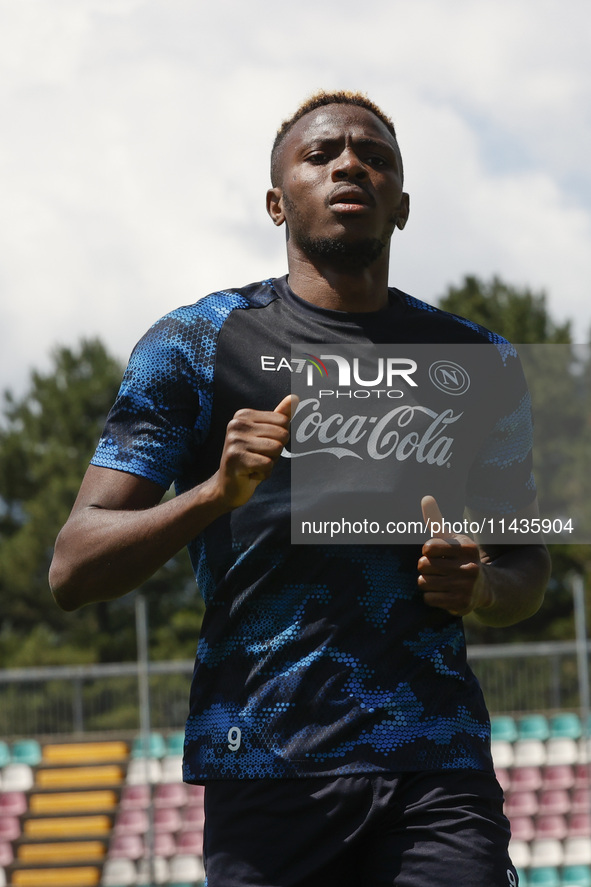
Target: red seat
[
  {"x": 553, "y": 826},
  {"x": 126, "y": 847},
  {"x": 164, "y": 844},
  {"x": 190, "y": 842},
  {"x": 555, "y": 801},
  {"x": 167, "y": 819},
  {"x": 526, "y": 779},
  {"x": 170, "y": 794},
  {"x": 521, "y": 804},
  {"x": 195, "y": 793},
  {"x": 131, "y": 822},
  {"x": 6, "y": 854},
  {"x": 581, "y": 800},
  {"x": 503, "y": 778},
  {"x": 135, "y": 797},
  {"x": 193, "y": 817},
  {"x": 579, "y": 825},
  {"x": 522, "y": 828},
  {"x": 558, "y": 776},
  {"x": 10, "y": 828},
  {"x": 582, "y": 775},
  {"x": 13, "y": 803}
]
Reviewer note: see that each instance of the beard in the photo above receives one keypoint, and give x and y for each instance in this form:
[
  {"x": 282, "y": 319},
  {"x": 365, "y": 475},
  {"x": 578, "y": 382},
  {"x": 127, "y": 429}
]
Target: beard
[{"x": 342, "y": 255}]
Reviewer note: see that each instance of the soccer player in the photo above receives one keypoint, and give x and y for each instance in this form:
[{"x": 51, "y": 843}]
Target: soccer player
[{"x": 340, "y": 734}]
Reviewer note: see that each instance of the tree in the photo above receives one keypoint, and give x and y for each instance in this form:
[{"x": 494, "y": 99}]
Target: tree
[
  {"x": 47, "y": 438},
  {"x": 521, "y": 316}
]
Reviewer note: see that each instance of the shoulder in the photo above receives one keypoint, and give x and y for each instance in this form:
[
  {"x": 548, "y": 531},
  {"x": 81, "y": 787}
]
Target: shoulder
[{"x": 447, "y": 326}]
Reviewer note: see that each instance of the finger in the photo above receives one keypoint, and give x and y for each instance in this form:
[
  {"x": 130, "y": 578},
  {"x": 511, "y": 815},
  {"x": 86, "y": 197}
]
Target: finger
[
  {"x": 432, "y": 514},
  {"x": 288, "y": 406}
]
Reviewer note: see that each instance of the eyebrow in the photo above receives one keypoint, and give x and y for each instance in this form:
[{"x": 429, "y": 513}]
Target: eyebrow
[{"x": 366, "y": 141}]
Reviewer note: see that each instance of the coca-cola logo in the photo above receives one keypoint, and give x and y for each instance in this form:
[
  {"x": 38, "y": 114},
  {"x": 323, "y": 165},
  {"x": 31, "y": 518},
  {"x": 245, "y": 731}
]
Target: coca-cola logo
[{"x": 405, "y": 432}]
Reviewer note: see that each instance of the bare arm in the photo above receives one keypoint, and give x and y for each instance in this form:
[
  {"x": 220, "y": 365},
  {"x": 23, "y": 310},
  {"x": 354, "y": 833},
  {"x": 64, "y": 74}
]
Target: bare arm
[
  {"x": 119, "y": 532},
  {"x": 500, "y": 584}
]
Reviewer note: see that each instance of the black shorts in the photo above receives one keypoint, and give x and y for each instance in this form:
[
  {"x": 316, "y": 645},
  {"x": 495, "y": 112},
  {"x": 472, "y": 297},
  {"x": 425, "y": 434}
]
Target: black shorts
[{"x": 444, "y": 829}]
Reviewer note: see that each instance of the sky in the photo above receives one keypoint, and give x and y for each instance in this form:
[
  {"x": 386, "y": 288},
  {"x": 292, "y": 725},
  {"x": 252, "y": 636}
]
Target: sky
[{"x": 136, "y": 134}]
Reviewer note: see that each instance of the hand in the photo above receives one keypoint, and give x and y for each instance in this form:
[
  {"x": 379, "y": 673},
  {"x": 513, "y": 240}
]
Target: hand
[
  {"x": 254, "y": 440},
  {"x": 451, "y": 574}
]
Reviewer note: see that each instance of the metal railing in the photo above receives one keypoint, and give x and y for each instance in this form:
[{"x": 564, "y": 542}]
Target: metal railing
[{"x": 516, "y": 678}]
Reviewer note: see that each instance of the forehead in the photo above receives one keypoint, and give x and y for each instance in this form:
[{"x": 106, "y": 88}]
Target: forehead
[{"x": 338, "y": 121}]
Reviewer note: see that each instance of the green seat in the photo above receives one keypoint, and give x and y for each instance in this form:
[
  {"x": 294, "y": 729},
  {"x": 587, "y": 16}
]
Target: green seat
[
  {"x": 565, "y": 725},
  {"x": 26, "y": 751},
  {"x": 533, "y": 727},
  {"x": 503, "y": 728},
  {"x": 544, "y": 876},
  {"x": 4, "y": 754},
  {"x": 576, "y": 876},
  {"x": 156, "y": 747},
  {"x": 522, "y": 875},
  {"x": 175, "y": 743}
]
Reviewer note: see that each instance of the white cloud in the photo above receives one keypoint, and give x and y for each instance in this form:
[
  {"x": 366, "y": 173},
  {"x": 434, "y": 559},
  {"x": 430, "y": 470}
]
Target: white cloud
[{"x": 134, "y": 174}]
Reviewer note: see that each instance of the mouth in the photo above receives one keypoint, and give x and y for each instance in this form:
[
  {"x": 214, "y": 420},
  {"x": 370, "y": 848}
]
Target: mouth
[{"x": 350, "y": 199}]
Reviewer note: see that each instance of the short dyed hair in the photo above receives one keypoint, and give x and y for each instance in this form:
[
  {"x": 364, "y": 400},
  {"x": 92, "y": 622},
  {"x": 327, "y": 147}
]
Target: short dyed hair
[{"x": 318, "y": 100}]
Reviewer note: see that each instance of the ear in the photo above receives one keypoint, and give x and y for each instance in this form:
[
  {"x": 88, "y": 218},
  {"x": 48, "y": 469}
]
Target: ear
[
  {"x": 403, "y": 211},
  {"x": 275, "y": 205}
]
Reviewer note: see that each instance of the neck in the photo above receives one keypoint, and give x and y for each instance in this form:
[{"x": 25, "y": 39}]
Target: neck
[{"x": 340, "y": 290}]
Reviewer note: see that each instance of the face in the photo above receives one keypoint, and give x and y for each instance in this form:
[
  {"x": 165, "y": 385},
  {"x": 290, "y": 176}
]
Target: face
[{"x": 340, "y": 183}]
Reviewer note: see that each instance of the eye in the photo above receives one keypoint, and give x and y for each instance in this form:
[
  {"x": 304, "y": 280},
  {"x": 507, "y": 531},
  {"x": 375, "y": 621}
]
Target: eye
[
  {"x": 318, "y": 158},
  {"x": 376, "y": 161}
]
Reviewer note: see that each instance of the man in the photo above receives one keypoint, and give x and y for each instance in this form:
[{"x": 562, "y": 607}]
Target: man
[{"x": 340, "y": 734}]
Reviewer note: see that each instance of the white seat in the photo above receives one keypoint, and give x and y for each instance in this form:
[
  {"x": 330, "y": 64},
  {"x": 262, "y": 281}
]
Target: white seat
[
  {"x": 561, "y": 751},
  {"x": 17, "y": 778},
  {"x": 143, "y": 770},
  {"x": 529, "y": 753},
  {"x": 520, "y": 853},
  {"x": 577, "y": 851},
  {"x": 546, "y": 852},
  {"x": 2, "y": 878},
  {"x": 584, "y": 751},
  {"x": 119, "y": 873},
  {"x": 157, "y": 873},
  {"x": 172, "y": 768},
  {"x": 502, "y": 754},
  {"x": 186, "y": 868}
]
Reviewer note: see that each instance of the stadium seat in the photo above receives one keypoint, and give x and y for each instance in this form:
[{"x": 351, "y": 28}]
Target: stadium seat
[
  {"x": 61, "y": 852},
  {"x": 551, "y": 826},
  {"x": 582, "y": 776},
  {"x": 503, "y": 727},
  {"x": 520, "y": 853},
  {"x": 17, "y": 777},
  {"x": 577, "y": 851},
  {"x": 546, "y": 853},
  {"x": 581, "y": 800},
  {"x": 54, "y": 803},
  {"x": 567, "y": 724},
  {"x": 576, "y": 876},
  {"x": 562, "y": 750},
  {"x": 119, "y": 873},
  {"x": 4, "y": 754},
  {"x": 2, "y": 878},
  {"x": 85, "y": 752},
  {"x": 62, "y": 827},
  {"x": 526, "y": 779},
  {"x": 533, "y": 726},
  {"x": 558, "y": 776},
  {"x": 522, "y": 828},
  {"x": 172, "y": 768},
  {"x": 164, "y": 844},
  {"x": 522, "y": 875},
  {"x": 13, "y": 803},
  {"x": 186, "y": 868},
  {"x": 10, "y": 828},
  {"x": 126, "y": 847},
  {"x": 74, "y": 876},
  {"x": 195, "y": 793},
  {"x": 175, "y": 743},
  {"x": 152, "y": 746},
  {"x": 131, "y": 822},
  {"x": 579, "y": 825},
  {"x": 170, "y": 794},
  {"x": 553, "y": 801},
  {"x": 521, "y": 804},
  {"x": 79, "y": 777},
  {"x": 529, "y": 753},
  {"x": 190, "y": 842},
  {"x": 167, "y": 819},
  {"x": 193, "y": 817},
  {"x": 135, "y": 797},
  {"x": 142, "y": 771},
  {"x": 6, "y": 854},
  {"x": 502, "y": 753},
  {"x": 26, "y": 751},
  {"x": 503, "y": 778},
  {"x": 152, "y": 872},
  {"x": 544, "y": 876}
]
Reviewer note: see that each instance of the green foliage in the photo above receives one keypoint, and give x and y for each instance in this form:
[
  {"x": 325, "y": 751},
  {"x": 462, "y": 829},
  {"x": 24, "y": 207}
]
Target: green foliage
[
  {"x": 47, "y": 438},
  {"x": 521, "y": 316}
]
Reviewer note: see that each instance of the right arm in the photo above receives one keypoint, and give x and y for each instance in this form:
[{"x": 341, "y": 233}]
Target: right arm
[{"x": 119, "y": 532}]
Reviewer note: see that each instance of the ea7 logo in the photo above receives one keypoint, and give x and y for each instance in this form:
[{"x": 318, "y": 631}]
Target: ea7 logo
[
  {"x": 449, "y": 377},
  {"x": 384, "y": 370}
]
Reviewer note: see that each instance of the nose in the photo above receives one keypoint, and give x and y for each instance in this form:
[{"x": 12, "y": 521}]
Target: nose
[{"x": 348, "y": 166}]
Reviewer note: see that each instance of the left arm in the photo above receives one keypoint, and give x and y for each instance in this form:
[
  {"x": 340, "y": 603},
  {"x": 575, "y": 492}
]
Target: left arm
[{"x": 501, "y": 584}]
